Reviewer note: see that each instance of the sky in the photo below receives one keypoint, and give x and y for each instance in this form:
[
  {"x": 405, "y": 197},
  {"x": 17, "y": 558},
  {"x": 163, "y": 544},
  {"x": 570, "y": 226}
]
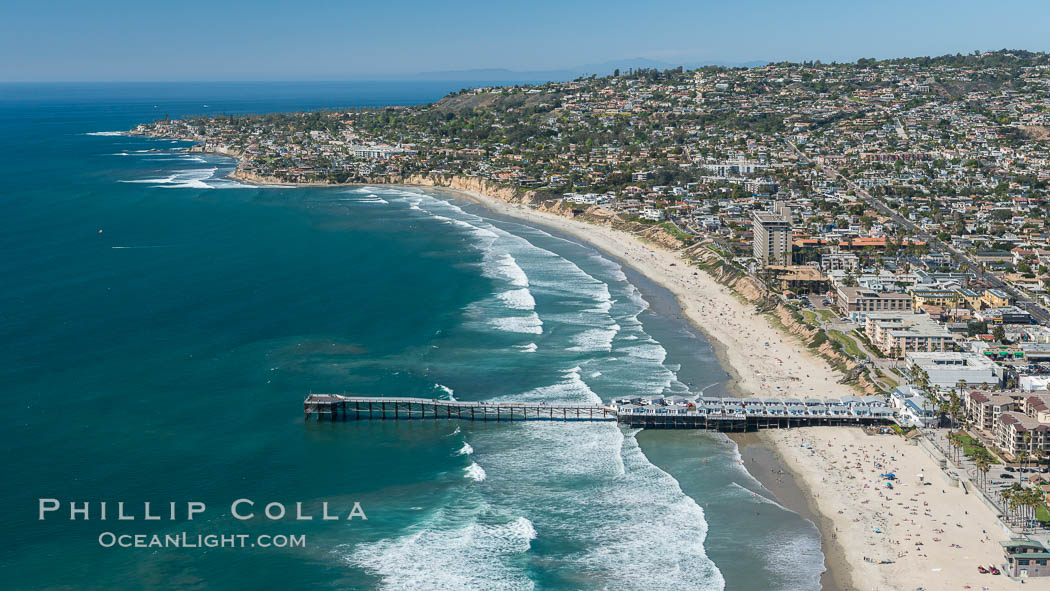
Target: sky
[{"x": 230, "y": 40}]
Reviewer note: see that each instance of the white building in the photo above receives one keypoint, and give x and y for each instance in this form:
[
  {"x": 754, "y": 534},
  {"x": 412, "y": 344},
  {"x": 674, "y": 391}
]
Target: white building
[
  {"x": 913, "y": 408},
  {"x": 651, "y": 213},
  {"x": 946, "y": 368}
]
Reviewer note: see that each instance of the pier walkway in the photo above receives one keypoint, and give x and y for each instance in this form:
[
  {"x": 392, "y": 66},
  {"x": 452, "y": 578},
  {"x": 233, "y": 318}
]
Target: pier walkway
[{"x": 712, "y": 414}]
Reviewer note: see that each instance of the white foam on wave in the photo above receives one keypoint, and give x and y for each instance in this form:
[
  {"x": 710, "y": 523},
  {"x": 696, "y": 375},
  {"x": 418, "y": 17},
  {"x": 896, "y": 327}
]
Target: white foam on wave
[
  {"x": 475, "y": 472},
  {"x": 570, "y": 389},
  {"x": 508, "y": 267},
  {"x": 530, "y": 324},
  {"x": 466, "y": 450},
  {"x": 619, "y": 510},
  {"x": 529, "y": 348},
  {"x": 595, "y": 339},
  {"x": 448, "y": 391},
  {"x": 459, "y": 547},
  {"x": 186, "y": 179},
  {"x": 745, "y": 493},
  {"x": 518, "y": 299},
  {"x": 106, "y": 133}
]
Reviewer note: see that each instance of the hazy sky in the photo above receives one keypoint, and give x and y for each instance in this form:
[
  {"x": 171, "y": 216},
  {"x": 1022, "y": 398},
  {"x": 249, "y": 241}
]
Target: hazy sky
[{"x": 328, "y": 40}]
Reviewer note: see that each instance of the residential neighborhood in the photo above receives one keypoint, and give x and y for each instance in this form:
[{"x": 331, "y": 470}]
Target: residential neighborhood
[{"x": 896, "y": 210}]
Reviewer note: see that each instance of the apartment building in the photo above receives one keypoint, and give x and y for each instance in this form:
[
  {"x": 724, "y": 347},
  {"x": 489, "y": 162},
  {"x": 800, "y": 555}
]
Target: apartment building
[
  {"x": 772, "y": 235},
  {"x": 895, "y": 333},
  {"x": 982, "y": 409},
  {"x": 858, "y": 302}
]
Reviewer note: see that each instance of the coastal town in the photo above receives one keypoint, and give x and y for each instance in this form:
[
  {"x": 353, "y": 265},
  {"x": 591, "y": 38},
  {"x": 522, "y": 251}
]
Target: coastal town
[{"x": 888, "y": 218}]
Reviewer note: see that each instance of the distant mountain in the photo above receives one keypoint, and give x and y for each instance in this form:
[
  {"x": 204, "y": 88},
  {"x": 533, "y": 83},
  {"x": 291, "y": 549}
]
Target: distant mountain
[{"x": 534, "y": 76}]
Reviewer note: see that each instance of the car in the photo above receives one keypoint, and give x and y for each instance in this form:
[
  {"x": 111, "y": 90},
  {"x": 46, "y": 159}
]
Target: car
[
  {"x": 1006, "y": 475},
  {"x": 1008, "y": 468}
]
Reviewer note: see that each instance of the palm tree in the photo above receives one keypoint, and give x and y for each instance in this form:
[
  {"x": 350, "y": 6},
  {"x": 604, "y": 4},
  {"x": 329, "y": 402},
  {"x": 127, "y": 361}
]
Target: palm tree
[
  {"x": 1029, "y": 499},
  {"x": 1040, "y": 456},
  {"x": 953, "y": 445},
  {"x": 1015, "y": 503},
  {"x": 955, "y": 408},
  {"x": 958, "y": 444},
  {"x": 1011, "y": 498},
  {"x": 982, "y": 461},
  {"x": 1007, "y": 495}
]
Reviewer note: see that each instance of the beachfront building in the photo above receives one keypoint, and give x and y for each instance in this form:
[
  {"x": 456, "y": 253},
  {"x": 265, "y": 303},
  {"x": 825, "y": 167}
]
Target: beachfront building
[
  {"x": 772, "y": 235},
  {"x": 895, "y": 333},
  {"x": 913, "y": 408},
  {"x": 945, "y": 369},
  {"x": 1025, "y": 558},
  {"x": 858, "y": 302},
  {"x": 1015, "y": 432},
  {"x": 798, "y": 279},
  {"x": 983, "y": 409}
]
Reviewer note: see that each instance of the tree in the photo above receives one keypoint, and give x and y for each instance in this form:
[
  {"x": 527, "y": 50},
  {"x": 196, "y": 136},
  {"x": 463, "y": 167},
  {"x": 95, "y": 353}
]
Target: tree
[
  {"x": 999, "y": 334},
  {"x": 1023, "y": 456},
  {"x": 982, "y": 460},
  {"x": 955, "y": 442}
]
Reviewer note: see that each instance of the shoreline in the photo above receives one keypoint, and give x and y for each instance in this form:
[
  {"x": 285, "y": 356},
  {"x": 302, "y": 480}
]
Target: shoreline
[
  {"x": 837, "y": 568},
  {"x": 761, "y": 458},
  {"x": 764, "y": 360},
  {"x": 761, "y": 360},
  {"x": 792, "y": 492}
]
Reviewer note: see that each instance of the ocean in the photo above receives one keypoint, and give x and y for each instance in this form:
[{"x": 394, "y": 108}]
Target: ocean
[{"x": 161, "y": 325}]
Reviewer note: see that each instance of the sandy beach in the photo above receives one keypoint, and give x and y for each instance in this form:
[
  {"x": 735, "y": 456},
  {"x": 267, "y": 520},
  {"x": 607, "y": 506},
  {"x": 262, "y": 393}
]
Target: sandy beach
[
  {"x": 933, "y": 532},
  {"x": 764, "y": 361},
  {"x": 935, "y": 535}
]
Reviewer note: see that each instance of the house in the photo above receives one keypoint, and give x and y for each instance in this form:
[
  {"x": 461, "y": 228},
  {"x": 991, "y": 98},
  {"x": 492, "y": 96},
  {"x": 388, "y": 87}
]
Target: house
[{"x": 651, "y": 213}]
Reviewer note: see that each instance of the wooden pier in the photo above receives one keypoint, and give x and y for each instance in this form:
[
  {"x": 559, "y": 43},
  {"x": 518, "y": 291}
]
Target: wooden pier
[
  {"x": 335, "y": 407},
  {"x": 729, "y": 417}
]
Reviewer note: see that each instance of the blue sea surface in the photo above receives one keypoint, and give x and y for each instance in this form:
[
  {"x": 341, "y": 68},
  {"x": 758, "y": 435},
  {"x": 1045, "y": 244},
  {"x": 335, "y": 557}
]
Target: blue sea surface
[{"x": 160, "y": 326}]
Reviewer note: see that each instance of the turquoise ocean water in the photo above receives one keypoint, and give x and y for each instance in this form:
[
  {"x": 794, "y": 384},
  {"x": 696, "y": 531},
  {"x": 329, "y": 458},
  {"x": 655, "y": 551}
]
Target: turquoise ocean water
[{"x": 166, "y": 359}]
